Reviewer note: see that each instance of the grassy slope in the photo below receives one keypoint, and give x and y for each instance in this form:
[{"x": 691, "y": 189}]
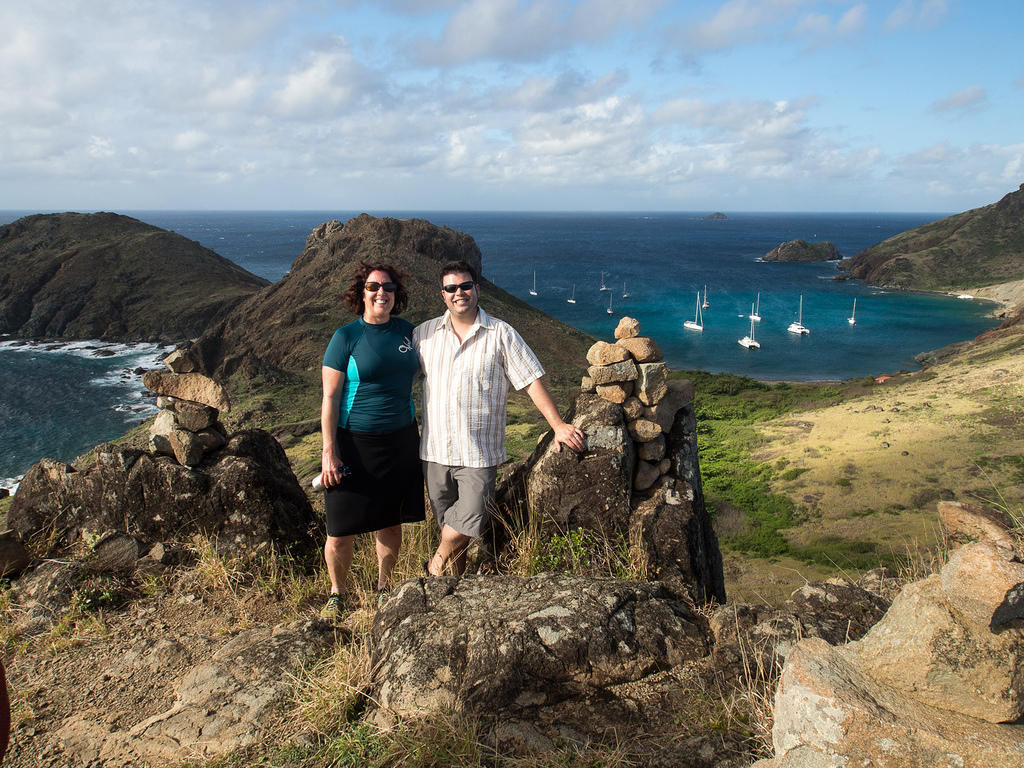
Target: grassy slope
[{"x": 810, "y": 480}]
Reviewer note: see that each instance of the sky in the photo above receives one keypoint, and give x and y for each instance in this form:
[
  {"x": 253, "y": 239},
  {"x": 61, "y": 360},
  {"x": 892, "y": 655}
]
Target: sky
[{"x": 603, "y": 105}]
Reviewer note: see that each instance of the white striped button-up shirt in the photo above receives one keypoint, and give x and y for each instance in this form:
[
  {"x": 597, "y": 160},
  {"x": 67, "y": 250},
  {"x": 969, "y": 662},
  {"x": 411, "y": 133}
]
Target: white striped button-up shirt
[{"x": 465, "y": 391}]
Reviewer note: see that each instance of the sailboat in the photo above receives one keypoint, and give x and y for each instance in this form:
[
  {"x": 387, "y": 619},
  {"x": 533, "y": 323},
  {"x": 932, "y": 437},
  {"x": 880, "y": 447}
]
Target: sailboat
[
  {"x": 697, "y": 324},
  {"x": 749, "y": 341},
  {"x": 533, "y": 291},
  {"x": 603, "y": 288},
  {"x": 705, "y": 305},
  {"x": 609, "y": 310},
  {"x": 625, "y": 293},
  {"x": 756, "y": 314},
  {"x": 852, "y": 319},
  {"x": 572, "y": 299},
  {"x": 799, "y": 327}
]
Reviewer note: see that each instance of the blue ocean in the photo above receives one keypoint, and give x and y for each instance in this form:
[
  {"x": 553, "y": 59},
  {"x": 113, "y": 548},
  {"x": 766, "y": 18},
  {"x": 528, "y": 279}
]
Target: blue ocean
[{"x": 59, "y": 401}]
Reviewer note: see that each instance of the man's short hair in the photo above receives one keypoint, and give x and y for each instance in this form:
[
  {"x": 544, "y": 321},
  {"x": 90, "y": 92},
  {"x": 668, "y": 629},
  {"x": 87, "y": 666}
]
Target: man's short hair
[{"x": 457, "y": 266}]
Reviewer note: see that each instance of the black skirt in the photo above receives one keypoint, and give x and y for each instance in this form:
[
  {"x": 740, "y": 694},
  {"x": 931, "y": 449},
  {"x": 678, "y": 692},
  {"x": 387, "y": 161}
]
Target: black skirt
[{"x": 385, "y": 484}]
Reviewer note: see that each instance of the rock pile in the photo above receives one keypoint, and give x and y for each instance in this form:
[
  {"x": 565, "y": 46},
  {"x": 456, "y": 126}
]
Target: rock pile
[
  {"x": 190, "y": 404},
  {"x": 638, "y": 479},
  {"x": 632, "y": 373}
]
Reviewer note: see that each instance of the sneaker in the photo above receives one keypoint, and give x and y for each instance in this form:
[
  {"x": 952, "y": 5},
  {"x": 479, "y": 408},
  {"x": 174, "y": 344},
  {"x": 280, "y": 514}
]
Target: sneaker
[
  {"x": 382, "y": 597},
  {"x": 333, "y": 608}
]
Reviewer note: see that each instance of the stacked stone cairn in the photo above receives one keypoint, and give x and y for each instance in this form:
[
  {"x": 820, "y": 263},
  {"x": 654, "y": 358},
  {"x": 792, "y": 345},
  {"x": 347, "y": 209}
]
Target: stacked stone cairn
[
  {"x": 632, "y": 373},
  {"x": 190, "y": 403}
]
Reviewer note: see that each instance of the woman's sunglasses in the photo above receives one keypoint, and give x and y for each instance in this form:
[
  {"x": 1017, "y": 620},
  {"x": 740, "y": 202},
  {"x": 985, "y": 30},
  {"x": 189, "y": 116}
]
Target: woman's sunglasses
[{"x": 374, "y": 287}]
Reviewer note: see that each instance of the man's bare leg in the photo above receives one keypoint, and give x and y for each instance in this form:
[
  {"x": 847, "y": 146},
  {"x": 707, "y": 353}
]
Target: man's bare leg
[{"x": 452, "y": 549}]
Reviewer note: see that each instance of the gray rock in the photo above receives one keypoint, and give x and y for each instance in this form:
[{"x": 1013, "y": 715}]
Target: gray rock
[
  {"x": 245, "y": 496},
  {"x": 651, "y": 385},
  {"x": 509, "y": 647},
  {"x": 610, "y": 374},
  {"x": 113, "y": 551},
  {"x": 194, "y": 417}
]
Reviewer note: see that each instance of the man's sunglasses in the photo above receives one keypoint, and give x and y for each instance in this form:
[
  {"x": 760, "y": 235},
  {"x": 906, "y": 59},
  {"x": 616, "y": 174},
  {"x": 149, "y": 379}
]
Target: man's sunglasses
[
  {"x": 374, "y": 287},
  {"x": 453, "y": 287}
]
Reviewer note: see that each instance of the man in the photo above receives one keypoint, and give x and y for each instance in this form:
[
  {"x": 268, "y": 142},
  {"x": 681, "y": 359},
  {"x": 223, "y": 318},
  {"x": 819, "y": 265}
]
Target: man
[{"x": 469, "y": 359}]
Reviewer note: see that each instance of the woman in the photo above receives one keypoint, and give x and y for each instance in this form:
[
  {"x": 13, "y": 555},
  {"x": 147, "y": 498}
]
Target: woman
[{"x": 370, "y": 466}]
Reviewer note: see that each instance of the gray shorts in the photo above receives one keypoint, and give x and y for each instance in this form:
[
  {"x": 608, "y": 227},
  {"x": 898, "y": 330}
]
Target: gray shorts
[{"x": 460, "y": 497}]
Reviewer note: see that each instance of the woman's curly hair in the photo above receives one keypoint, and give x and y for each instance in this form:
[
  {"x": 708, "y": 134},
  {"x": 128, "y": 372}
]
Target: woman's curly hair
[{"x": 353, "y": 297}]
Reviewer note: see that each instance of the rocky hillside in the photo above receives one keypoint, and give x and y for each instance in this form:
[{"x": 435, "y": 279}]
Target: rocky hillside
[
  {"x": 975, "y": 248},
  {"x": 107, "y": 276},
  {"x": 801, "y": 250},
  {"x": 287, "y": 325}
]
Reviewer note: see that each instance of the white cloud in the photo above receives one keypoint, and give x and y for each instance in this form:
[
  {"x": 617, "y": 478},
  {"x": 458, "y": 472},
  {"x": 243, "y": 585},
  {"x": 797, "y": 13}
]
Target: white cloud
[
  {"x": 965, "y": 100},
  {"x": 188, "y": 141},
  {"x": 921, "y": 13}
]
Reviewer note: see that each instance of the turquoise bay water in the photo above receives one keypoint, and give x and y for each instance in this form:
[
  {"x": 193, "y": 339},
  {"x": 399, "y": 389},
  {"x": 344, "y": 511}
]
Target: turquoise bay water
[{"x": 59, "y": 403}]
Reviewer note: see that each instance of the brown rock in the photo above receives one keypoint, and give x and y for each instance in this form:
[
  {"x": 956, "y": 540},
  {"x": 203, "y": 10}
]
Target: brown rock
[
  {"x": 633, "y": 408},
  {"x": 651, "y": 382},
  {"x": 642, "y": 430},
  {"x": 829, "y": 713},
  {"x": 627, "y": 328},
  {"x": 180, "y": 361},
  {"x": 609, "y": 374},
  {"x": 211, "y": 439},
  {"x": 652, "y": 450},
  {"x": 647, "y": 475},
  {"x": 615, "y": 393},
  {"x": 187, "y": 447},
  {"x": 188, "y": 386},
  {"x": 679, "y": 393},
  {"x": 982, "y": 587},
  {"x": 587, "y": 384},
  {"x": 13, "y": 555},
  {"x": 603, "y": 353},
  {"x": 923, "y": 650},
  {"x": 644, "y": 349},
  {"x": 968, "y": 522}
]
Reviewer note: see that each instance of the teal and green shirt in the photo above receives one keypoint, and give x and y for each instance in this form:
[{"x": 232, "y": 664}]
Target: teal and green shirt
[{"x": 379, "y": 364}]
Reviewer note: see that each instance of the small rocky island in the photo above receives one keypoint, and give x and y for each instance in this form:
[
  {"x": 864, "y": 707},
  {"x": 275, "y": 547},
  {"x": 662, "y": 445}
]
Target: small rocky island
[
  {"x": 802, "y": 251},
  {"x": 716, "y": 216}
]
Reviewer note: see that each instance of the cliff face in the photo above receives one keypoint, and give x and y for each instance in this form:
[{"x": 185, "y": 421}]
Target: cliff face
[
  {"x": 288, "y": 324},
  {"x": 106, "y": 276},
  {"x": 801, "y": 250},
  {"x": 975, "y": 248}
]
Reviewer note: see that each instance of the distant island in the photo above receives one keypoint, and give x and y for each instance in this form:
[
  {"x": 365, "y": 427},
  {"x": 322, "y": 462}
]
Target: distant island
[
  {"x": 716, "y": 216},
  {"x": 802, "y": 251}
]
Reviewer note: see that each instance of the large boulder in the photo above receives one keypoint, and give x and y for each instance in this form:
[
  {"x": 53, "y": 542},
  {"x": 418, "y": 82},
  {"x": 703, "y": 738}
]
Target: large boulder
[
  {"x": 938, "y": 681},
  {"x": 590, "y": 490},
  {"x": 829, "y": 713},
  {"x": 512, "y": 648},
  {"x": 245, "y": 496}
]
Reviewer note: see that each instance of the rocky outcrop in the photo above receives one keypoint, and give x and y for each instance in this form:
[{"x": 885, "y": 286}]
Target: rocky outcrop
[
  {"x": 517, "y": 650},
  {"x": 979, "y": 247},
  {"x": 106, "y": 276},
  {"x": 245, "y": 496},
  {"x": 13, "y": 555},
  {"x": 802, "y": 251},
  {"x": 288, "y": 325},
  {"x": 638, "y": 479},
  {"x": 938, "y": 681}
]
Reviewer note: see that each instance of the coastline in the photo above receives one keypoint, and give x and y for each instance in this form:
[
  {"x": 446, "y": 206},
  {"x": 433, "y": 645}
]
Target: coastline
[{"x": 117, "y": 385}]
